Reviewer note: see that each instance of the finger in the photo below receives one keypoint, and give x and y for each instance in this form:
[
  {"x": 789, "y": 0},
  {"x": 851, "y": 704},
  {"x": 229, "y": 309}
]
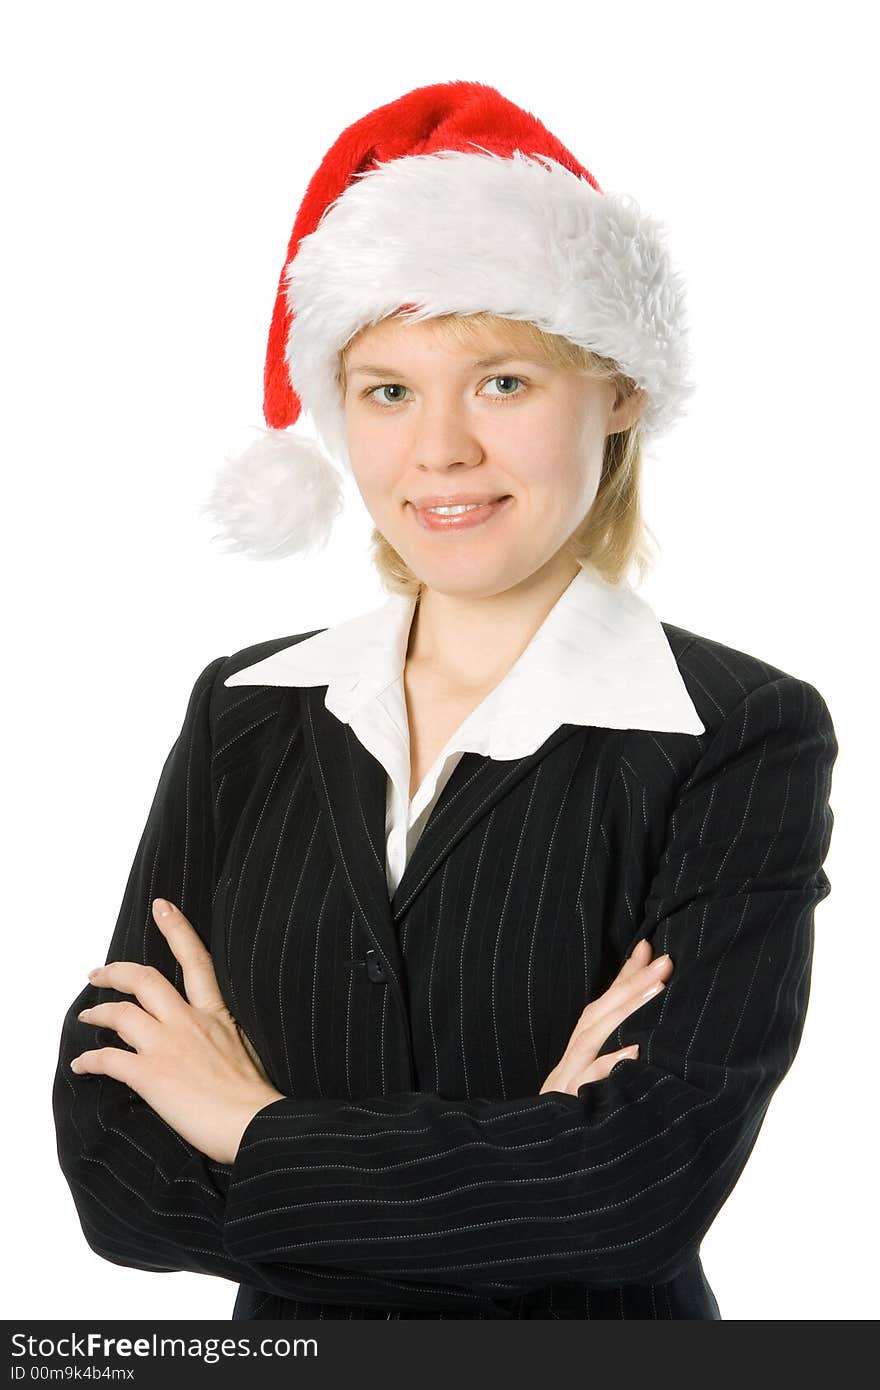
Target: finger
[
  {"x": 148, "y": 985},
  {"x": 627, "y": 993},
  {"x": 108, "y": 1061},
  {"x": 591, "y": 1034},
  {"x": 568, "y": 1077},
  {"x": 643, "y": 972},
  {"x": 638, "y": 957},
  {"x": 199, "y": 977},
  {"x": 598, "y": 1028},
  {"x": 641, "y": 957},
  {"x": 603, "y": 1065},
  {"x": 133, "y": 1024}
]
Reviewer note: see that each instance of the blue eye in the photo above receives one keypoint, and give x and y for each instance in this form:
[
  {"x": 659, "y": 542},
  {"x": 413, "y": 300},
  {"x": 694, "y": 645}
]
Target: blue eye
[
  {"x": 384, "y": 402},
  {"x": 516, "y": 379},
  {"x": 389, "y": 386}
]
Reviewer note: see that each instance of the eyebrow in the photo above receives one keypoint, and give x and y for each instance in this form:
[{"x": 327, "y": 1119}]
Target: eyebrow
[{"x": 376, "y": 369}]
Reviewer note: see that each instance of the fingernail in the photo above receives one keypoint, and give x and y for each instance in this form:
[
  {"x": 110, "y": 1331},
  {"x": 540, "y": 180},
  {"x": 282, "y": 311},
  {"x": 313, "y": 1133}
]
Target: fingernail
[
  {"x": 656, "y": 964},
  {"x": 162, "y": 907}
]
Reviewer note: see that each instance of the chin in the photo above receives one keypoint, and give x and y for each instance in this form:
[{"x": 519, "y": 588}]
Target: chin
[{"x": 477, "y": 581}]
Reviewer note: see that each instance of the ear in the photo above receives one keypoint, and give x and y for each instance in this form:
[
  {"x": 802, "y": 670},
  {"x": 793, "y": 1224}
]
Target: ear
[{"x": 627, "y": 412}]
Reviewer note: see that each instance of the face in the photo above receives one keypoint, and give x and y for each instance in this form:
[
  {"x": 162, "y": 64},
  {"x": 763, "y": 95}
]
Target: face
[{"x": 429, "y": 422}]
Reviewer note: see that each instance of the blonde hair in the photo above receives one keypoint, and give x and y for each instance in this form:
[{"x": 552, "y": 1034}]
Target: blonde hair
[{"x": 613, "y": 535}]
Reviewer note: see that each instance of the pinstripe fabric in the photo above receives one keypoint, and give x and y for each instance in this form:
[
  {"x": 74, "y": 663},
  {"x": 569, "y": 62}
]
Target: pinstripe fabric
[
  {"x": 412, "y": 1170},
  {"x": 600, "y": 656}
]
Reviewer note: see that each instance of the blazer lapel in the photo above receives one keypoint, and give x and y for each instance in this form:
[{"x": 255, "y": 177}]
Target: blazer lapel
[
  {"x": 476, "y": 784},
  {"x": 351, "y": 783}
]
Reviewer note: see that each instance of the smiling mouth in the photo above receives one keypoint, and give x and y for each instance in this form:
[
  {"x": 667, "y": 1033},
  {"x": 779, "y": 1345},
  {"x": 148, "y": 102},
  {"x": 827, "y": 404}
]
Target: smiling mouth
[{"x": 457, "y": 516}]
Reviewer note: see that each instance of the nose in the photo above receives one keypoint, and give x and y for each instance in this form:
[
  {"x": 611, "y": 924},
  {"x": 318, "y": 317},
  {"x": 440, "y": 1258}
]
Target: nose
[{"x": 443, "y": 435}]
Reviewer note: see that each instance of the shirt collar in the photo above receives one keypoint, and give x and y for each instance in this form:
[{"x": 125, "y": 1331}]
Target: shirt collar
[{"x": 600, "y": 657}]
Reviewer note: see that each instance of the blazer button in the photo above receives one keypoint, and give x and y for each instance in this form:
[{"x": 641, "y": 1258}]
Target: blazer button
[{"x": 376, "y": 967}]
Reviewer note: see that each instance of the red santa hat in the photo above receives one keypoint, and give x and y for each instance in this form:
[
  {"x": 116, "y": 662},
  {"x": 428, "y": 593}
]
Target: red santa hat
[{"x": 450, "y": 199}]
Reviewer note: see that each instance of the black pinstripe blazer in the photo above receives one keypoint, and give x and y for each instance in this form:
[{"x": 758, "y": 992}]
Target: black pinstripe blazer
[{"x": 412, "y": 1170}]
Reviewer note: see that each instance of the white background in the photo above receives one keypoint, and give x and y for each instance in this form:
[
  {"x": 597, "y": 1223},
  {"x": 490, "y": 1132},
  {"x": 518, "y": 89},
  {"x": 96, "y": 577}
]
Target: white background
[{"x": 155, "y": 157}]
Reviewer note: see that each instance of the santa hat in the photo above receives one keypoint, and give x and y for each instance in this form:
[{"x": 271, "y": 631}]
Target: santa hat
[{"x": 450, "y": 199}]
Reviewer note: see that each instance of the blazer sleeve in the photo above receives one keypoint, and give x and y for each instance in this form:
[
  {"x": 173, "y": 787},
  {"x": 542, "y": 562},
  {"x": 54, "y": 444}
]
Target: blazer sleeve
[
  {"x": 619, "y": 1183},
  {"x": 145, "y": 1197}
]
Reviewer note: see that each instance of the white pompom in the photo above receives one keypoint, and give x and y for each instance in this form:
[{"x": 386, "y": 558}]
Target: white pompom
[{"x": 279, "y": 497}]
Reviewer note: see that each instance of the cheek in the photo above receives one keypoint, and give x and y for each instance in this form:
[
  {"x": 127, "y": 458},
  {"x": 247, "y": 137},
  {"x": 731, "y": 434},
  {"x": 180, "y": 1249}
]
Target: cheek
[
  {"x": 561, "y": 483},
  {"x": 547, "y": 440},
  {"x": 375, "y": 471},
  {"x": 557, "y": 466},
  {"x": 369, "y": 449}
]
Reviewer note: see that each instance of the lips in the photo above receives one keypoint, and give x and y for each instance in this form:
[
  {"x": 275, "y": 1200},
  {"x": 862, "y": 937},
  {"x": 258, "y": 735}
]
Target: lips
[
  {"x": 462, "y": 499},
  {"x": 461, "y": 521}
]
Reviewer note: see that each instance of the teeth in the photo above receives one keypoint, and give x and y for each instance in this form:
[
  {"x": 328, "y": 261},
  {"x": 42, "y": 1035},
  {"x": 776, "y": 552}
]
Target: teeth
[{"x": 454, "y": 511}]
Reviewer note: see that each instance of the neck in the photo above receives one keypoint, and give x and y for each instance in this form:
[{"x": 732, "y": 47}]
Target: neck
[{"x": 470, "y": 642}]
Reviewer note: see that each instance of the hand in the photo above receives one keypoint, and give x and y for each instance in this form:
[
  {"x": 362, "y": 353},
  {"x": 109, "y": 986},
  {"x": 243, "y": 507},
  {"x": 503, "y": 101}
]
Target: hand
[
  {"x": 192, "y": 1063},
  {"x": 638, "y": 980}
]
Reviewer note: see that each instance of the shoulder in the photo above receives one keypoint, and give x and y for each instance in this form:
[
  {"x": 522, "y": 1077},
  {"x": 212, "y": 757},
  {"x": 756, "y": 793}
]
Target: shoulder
[
  {"x": 240, "y": 718},
  {"x": 257, "y": 651},
  {"x": 741, "y": 698},
  {"x": 720, "y": 679}
]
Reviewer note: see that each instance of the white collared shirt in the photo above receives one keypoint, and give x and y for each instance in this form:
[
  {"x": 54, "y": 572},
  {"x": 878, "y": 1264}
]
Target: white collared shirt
[{"x": 600, "y": 657}]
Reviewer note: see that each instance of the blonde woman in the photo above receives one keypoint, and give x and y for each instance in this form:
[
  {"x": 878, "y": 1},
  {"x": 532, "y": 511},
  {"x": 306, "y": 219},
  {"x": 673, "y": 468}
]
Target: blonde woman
[{"x": 489, "y": 912}]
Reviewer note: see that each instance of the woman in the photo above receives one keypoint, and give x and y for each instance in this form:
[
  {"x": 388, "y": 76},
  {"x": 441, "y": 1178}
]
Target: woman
[{"x": 491, "y": 910}]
